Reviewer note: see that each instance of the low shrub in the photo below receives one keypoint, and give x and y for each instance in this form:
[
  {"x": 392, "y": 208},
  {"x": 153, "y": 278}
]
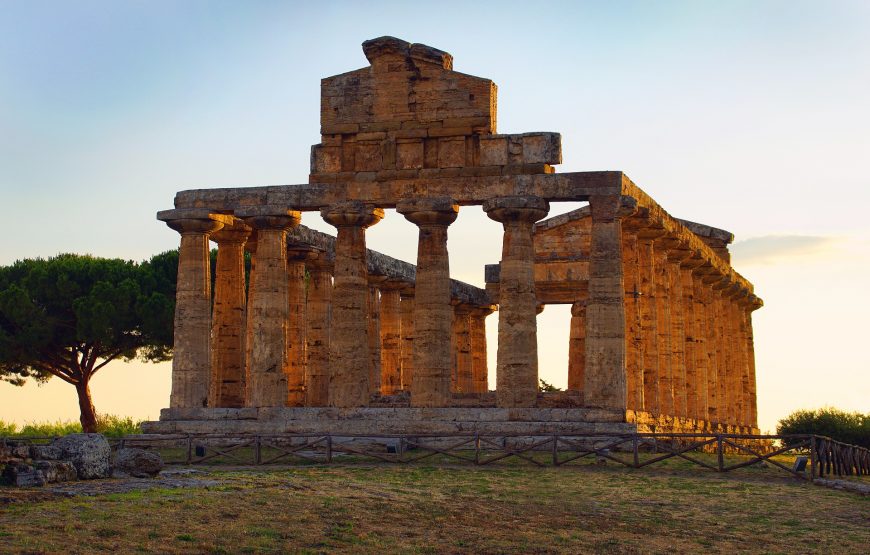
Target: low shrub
[
  {"x": 107, "y": 424},
  {"x": 848, "y": 427}
]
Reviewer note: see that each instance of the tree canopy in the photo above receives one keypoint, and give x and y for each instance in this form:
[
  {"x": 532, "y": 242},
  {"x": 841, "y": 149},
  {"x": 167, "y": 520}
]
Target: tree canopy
[
  {"x": 70, "y": 315},
  {"x": 848, "y": 427}
]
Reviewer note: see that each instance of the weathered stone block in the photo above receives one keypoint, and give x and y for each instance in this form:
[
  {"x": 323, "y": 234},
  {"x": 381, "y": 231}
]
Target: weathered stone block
[
  {"x": 451, "y": 152},
  {"x": 542, "y": 148},
  {"x": 493, "y": 151},
  {"x": 139, "y": 463},
  {"x": 326, "y": 159},
  {"x": 368, "y": 157},
  {"x": 23, "y": 475},
  {"x": 409, "y": 154},
  {"x": 89, "y": 453},
  {"x": 56, "y": 471},
  {"x": 45, "y": 452}
]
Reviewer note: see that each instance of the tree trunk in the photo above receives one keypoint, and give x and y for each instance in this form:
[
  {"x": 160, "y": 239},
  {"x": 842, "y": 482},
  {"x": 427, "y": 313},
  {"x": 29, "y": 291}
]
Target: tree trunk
[{"x": 88, "y": 416}]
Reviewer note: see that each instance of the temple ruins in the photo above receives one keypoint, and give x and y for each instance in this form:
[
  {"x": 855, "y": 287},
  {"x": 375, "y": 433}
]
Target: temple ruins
[{"x": 328, "y": 336}]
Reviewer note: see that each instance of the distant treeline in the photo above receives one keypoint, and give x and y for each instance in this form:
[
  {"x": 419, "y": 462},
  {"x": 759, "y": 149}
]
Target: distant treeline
[{"x": 848, "y": 427}]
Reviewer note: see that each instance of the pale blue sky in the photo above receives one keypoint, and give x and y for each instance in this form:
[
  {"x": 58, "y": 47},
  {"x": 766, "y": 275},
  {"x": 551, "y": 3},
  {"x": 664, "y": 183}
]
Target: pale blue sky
[{"x": 751, "y": 116}]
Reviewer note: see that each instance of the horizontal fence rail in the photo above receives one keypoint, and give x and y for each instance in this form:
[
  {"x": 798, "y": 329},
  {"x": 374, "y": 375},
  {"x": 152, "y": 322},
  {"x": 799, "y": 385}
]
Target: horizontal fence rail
[{"x": 814, "y": 456}]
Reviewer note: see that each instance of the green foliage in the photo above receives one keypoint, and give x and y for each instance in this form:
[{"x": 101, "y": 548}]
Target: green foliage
[
  {"x": 547, "y": 387},
  {"x": 848, "y": 427},
  {"x": 109, "y": 425}
]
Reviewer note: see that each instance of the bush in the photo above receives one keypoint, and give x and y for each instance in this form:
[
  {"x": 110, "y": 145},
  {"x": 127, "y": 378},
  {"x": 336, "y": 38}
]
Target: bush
[
  {"x": 848, "y": 427},
  {"x": 107, "y": 424}
]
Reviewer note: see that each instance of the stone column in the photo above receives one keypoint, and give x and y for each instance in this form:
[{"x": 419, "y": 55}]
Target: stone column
[
  {"x": 296, "y": 326},
  {"x": 517, "y": 358},
  {"x": 227, "y": 385},
  {"x": 374, "y": 329},
  {"x": 349, "y": 343},
  {"x": 634, "y": 339},
  {"x": 251, "y": 247},
  {"x": 479, "y": 370},
  {"x": 711, "y": 341},
  {"x": 318, "y": 313},
  {"x": 649, "y": 320},
  {"x": 577, "y": 346},
  {"x": 462, "y": 343},
  {"x": 739, "y": 349},
  {"x": 755, "y": 304},
  {"x": 678, "y": 332},
  {"x": 693, "y": 385},
  {"x": 664, "y": 379},
  {"x": 699, "y": 334},
  {"x": 269, "y": 307},
  {"x": 391, "y": 338},
  {"x": 432, "y": 310},
  {"x": 406, "y": 307},
  {"x": 726, "y": 403},
  {"x": 191, "y": 361}
]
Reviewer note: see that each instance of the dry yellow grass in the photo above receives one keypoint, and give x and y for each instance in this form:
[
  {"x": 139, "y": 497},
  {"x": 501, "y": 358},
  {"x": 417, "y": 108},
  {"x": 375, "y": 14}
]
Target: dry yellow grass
[{"x": 452, "y": 509}]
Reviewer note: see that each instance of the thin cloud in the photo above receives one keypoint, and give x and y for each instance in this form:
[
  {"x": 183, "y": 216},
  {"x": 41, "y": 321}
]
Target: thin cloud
[{"x": 770, "y": 248}]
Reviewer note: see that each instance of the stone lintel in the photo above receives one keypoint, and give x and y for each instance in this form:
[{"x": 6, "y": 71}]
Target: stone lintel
[
  {"x": 194, "y": 214},
  {"x": 466, "y": 191}
]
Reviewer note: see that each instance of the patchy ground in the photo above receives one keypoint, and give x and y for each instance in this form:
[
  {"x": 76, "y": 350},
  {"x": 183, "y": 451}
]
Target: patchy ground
[{"x": 441, "y": 509}]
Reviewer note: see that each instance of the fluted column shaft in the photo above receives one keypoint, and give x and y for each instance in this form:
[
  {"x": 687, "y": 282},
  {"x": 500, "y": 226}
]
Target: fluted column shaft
[
  {"x": 711, "y": 341},
  {"x": 318, "y": 320},
  {"x": 432, "y": 310},
  {"x": 191, "y": 362},
  {"x": 634, "y": 339},
  {"x": 649, "y": 321},
  {"x": 269, "y": 311},
  {"x": 391, "y": 339},
  {"x": 227, "y": 385},
  {"x": 678, "y": 335},
  {"x": 349, "y": 343},
  {"x": 406, "y": 306},
  {"x": 479, "y": 368},
  {"x": 462, "y": 349},
  {"x": 517, "y": 357},
  {"x": 577, "y": 346},
  {"x": 296, "y": 317},
  {"x": 691, "y": 333},
  {"x": 664, "y": 379},
  {"x": 374, "y": 322}
]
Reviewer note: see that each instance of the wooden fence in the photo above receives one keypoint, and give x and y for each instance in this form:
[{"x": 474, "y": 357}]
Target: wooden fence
[{"x": 815, "y": 456}]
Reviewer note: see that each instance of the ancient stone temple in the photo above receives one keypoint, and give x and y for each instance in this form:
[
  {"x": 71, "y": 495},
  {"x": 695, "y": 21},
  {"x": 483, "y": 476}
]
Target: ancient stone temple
[{"x": 325, "y": 335}]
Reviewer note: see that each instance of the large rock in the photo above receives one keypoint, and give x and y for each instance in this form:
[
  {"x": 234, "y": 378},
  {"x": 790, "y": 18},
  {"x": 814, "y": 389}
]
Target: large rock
[
  {"x": 45, "y": 452},
  {"x": 89, "y": 453},
  {"x": 56, "y": 471},
  {"x": 23, "y": 475},
  {"x": 140, "y": 463}
]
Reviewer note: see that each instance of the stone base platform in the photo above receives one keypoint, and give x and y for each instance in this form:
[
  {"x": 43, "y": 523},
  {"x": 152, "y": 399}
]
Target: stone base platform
[{"x": 386, "y": 421}]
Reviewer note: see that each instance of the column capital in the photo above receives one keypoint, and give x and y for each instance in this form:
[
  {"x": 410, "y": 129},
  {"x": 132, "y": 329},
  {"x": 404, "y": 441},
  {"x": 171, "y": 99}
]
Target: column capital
[
  {"x": 238, "y": 232},
  {"x": 482, "y": 311},
  {"x": 429, "y": 211},
  {"x": 352, "y": 213},
  {"x": 505, "y": 210},
  {"x": 187, "y": 226},
  {"x": 578, "y": 308}
]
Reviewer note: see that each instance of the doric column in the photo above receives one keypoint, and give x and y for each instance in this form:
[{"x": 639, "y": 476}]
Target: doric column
[
  {"x": 664, "y": 379},
  {"x": 374, "y": 330},
  {"x": 711, "y": 342},
  {"x": 251, "y": 247},
  {"x": 432, "y": 309},
  {"x": 461, "y": 333},
  {"x": 726, "y": 405},
  {"x": 649, "y": 319},
  {"x": 739, "y": 353},
  {"x": 577, "y": 346},
  {"x": 391, "y": 338},
  {"x": 754, "y": 304},
  {"x": 296, "y": 325},
  {"x": 227, "y": 385},
  {"x": 479, "y": 370},
  {"x": 693, "y": 379},
  {"x": 349, "y": 343},
  {"x": 678, "y": 332},
  {"x": 269, "y": 307},
  {"x": 191, "y": 362},
  {"x": 700, "y": 334},
  {"x": 634, "y": 340},
  {"x": 406, "y": 307},
  {"x": 318, "y": 313},
  {"x": 517, "y": 357}
]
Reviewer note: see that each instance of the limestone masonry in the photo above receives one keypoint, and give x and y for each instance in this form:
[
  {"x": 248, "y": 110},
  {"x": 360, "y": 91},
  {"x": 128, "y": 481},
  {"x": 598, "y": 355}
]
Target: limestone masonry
[{"x": 328, "y": 336}]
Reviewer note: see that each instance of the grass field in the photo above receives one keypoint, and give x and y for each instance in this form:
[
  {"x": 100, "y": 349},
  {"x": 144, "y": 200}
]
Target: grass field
[{"x": 452, "y": 509}]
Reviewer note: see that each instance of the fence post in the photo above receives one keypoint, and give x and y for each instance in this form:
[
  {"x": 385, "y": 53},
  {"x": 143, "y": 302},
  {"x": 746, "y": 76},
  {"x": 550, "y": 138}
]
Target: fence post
[
  {"x": 258, "y": 456},
  {"x": 635, "y": 446},
  {"x": 477, "y": 448},
  {"x": 812, "y": 458},
  {"x": 719, "y": 453},
  {"x": 189, "y": 449},
  {"x": 555, "y": 450},
  {"x": 328, "y": 448}
]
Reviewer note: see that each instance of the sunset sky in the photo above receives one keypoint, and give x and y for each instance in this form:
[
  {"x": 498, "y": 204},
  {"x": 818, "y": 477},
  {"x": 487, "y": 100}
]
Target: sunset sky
[{"x": 752, "y": 116}]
